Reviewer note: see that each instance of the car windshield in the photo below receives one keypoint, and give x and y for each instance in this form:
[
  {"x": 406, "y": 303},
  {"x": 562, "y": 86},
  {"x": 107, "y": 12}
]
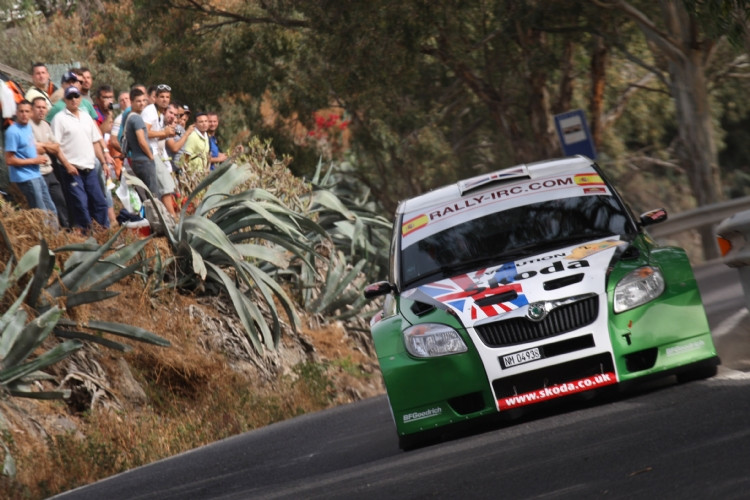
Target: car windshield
[{"x": 510, "y": 235}]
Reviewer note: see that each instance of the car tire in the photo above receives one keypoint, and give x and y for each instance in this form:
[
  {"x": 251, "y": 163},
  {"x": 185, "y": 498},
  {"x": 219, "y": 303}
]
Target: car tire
[
  {"x": 698, "y": 373},
  {"x": 410, "y": 442}
]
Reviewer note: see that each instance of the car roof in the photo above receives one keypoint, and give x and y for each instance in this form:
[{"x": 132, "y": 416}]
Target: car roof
[{"x": 525, "y": 170}]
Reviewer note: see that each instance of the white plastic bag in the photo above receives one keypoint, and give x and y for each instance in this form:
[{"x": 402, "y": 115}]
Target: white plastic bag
[{"x": 128, "y": 197}]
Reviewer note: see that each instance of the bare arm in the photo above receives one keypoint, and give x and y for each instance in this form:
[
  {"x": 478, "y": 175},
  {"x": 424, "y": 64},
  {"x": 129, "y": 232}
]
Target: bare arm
[
  {"x": 99, "y": 152},
  {"x": 174, "y": 146},
  {"x": 54, "y": 149},
  {"x": 168, "y": 131},
  {"x": 14, "y": 161},
  {"x": 143, "y": 143}
]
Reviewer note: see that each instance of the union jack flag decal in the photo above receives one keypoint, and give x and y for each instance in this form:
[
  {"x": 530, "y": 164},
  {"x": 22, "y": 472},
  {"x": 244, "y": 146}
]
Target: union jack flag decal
[{"x": 461, "y": 293}]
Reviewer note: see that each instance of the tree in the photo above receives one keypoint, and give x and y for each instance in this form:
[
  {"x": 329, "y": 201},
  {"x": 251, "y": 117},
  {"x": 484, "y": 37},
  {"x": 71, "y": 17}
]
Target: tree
[{"x": 688, "y": 50}]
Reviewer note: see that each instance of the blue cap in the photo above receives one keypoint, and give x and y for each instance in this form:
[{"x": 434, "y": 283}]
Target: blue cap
[{"x": 71, "y": 92}]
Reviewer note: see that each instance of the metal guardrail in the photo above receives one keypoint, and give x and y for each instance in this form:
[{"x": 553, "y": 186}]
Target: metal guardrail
[
  {"x": 699, "y": 217},
  {"x": 735, "y": 232}
]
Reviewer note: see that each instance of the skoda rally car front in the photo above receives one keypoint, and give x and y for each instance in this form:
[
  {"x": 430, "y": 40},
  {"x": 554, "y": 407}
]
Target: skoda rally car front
[{"x": 526, "y": 285}]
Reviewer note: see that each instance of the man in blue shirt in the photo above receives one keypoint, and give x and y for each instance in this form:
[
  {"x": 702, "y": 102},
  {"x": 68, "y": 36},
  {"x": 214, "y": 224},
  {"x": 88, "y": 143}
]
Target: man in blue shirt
[
  {"x": 213, "y": 143},
  {"x": 23, "y": 160}
]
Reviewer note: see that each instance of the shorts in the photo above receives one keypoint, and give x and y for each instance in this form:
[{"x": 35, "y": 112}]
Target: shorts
[{"x": 164, "y": 178}]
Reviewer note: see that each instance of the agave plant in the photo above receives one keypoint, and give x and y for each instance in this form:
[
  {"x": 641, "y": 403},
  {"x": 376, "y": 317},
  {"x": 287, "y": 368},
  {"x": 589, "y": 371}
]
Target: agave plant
[
  {"x": 233, "y": 241},
  {"x": 361, "y": 240},
  {"x": 19, "y": 339},
  {"x": 84, "y": 279}
]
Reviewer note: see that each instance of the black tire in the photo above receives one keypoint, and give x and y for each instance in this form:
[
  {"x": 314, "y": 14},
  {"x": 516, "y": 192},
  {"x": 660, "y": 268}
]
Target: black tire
[
  {"x": 410, "y": 442},
  {"x": 697, "y": 373}
]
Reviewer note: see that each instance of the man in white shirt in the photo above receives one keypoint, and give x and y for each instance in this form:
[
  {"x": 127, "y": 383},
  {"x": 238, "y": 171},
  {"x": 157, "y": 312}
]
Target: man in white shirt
[
  {"x": 158, "y": 132},
  {"x": 81, "y": 143},
  {"x": 46, "y": 140}
]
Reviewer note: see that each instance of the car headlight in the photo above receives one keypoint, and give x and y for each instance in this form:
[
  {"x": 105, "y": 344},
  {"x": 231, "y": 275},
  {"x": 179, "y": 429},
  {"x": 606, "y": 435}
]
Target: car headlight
[
  {"x": 638, "y": 287},
  {"x": 429, "y": 340}
]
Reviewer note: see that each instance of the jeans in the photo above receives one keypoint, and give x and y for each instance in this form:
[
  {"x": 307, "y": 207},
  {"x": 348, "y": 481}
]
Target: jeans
[
  {"x": 58, "y": 198},
  {"x": 145, "y": 170},
  {"x": 86, "y": 198},
  {"x": 37, "y": 194}
]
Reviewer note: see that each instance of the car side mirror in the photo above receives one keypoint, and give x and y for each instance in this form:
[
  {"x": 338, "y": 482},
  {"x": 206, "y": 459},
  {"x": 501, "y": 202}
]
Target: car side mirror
[
  {"x": 378, "y": 289},
  {"x": 653, "y": 217}
]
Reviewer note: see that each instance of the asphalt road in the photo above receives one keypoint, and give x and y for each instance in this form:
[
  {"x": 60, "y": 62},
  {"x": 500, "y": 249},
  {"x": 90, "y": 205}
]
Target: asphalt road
[{"x": 661, "y": 441}]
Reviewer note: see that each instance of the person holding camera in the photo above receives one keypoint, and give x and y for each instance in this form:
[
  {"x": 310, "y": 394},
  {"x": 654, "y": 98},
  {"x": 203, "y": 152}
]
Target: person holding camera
[{"x": 104, "y": 100}]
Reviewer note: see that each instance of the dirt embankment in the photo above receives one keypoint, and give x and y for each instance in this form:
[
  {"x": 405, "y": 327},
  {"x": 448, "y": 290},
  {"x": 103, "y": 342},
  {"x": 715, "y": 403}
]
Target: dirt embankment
[{"x": 127, "y": 409}]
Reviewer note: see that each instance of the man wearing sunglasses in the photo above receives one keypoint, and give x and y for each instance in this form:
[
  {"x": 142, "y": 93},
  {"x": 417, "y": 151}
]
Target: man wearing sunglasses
[
  {"x": 81, "y": 142},
  {"x": 71, "y": 78}
]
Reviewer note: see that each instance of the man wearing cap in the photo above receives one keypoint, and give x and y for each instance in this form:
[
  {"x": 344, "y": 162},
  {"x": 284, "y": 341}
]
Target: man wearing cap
[
  {"x": 42, "y": 86},
  {"x": 22, "y": 157},
  {"x": 71, "y": 78},
  {"x": 81, "y": 142}
]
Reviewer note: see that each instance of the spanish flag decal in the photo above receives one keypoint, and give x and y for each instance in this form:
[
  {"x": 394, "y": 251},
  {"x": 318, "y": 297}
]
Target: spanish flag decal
[
  {"x": 589, "y": 180},
  {"x": 413, "y": 224}
]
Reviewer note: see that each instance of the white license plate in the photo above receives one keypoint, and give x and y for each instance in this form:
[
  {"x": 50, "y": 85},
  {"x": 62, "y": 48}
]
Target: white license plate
[{"x": 519, "y": 358}]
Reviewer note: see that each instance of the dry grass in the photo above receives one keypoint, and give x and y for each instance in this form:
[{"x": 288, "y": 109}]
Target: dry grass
[{"x": 161, "y": 401}]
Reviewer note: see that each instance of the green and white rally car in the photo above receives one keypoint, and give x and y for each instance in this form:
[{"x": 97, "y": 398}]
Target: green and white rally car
[{"x": 525, "y": 285}]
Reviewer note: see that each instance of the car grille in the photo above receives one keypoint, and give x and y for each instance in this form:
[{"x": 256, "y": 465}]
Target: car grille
[{"x": 562, "y": 319}]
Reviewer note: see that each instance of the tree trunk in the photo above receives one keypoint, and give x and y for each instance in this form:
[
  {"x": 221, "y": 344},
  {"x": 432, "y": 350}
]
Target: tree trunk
[
  {"x": 696, "y": 148},
  {"x": 679, "y": 42}
]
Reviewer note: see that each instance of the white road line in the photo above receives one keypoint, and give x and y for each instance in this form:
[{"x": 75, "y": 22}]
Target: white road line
[{"x": 729, "y": 324}]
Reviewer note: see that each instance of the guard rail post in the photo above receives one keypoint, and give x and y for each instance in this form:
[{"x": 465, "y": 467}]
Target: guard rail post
[{"x": 733, "y": 236}]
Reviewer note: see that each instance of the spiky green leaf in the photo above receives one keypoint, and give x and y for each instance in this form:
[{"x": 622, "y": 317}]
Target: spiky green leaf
[
  {"x": 49, "y": 358},
  {"x": 120, "y": 329},
  {"x": 33, "y": 334}
]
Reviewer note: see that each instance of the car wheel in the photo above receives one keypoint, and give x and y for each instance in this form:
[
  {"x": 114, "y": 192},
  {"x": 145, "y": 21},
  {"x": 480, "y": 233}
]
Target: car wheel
[
  {"x": 412, "y": 441},
  {"x": 698, "y": 373}
]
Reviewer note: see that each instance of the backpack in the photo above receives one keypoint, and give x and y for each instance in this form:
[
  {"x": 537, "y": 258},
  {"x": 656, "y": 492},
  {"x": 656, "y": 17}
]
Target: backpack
[{"x": 124, "y": 137}]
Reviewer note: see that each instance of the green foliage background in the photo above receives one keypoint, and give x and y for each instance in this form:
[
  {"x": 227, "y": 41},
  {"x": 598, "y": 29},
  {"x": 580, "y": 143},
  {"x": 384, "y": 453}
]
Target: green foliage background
[{"x": 436, "y": 90}]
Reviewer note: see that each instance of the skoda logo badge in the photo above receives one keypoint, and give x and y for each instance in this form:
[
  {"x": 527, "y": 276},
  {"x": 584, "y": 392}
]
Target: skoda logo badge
[{"x": 537, "y": 311}]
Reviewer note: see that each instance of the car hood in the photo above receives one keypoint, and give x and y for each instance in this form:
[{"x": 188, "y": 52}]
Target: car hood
[{"x": 506, "y": 290}]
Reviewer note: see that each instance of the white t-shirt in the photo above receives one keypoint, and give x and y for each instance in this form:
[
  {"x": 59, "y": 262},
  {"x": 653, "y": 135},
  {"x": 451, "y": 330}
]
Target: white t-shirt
[
  {"x": 151, "y": 116},
  {"x": 77, "y": 135}
]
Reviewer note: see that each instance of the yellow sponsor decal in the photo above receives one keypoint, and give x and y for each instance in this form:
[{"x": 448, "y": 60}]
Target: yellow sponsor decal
[
  {"x": 413, "y": 224},
  {"x": 585, "y": 250},
  {"x": 588, "y": 179}
]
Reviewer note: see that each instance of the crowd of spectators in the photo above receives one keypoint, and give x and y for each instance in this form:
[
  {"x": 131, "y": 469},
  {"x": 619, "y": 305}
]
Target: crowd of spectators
[{"x": 66, "y": 147}]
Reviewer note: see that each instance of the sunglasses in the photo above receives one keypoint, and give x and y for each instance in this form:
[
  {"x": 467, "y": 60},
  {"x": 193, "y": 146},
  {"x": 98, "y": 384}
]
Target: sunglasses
[
  {"x": 70, "y": 98},
  {"x": 164, "y": 87}
]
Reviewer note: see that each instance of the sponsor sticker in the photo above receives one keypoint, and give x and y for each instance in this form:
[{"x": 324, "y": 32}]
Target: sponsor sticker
[
  {"x": 412, "y": 225},
  {"x": 680, "y": 349},
  {"x": 584, "y": 251},
  {"x": 557, "y": 391},
  {"x": 589, "y": 180},
  {"x": 420, "y": 415}
]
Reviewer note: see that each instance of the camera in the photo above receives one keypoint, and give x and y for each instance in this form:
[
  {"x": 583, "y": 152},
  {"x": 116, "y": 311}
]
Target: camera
[{"x": 111, "y": 106}]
